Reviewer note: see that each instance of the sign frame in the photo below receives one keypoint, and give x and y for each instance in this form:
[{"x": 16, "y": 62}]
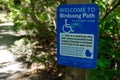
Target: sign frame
[{"x": 77, "y": 31}]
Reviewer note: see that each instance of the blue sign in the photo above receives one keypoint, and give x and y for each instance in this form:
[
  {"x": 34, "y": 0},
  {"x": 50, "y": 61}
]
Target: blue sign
[{"x": 77, "y": 35}]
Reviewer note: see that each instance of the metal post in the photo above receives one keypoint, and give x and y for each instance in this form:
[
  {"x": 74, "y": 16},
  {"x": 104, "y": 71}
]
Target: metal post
[{"x": 76, "y": 73}]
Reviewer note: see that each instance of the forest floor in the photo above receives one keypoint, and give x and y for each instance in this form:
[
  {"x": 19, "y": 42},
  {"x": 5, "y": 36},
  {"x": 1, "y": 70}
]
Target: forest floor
[{"x": 11, "y": 69}]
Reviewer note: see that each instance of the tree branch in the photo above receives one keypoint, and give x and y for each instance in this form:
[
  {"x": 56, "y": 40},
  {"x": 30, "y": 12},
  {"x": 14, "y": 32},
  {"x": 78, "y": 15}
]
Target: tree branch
[
  {"x": 110, "y": 11},
  {"x": 34, "y": 17}
]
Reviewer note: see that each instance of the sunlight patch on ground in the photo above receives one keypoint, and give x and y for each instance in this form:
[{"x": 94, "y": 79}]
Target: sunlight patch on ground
[
  {"x": 11, "y": 68},
  {"x": 6, "y": 56},
  {"x": 7, "y": 24},
  {"x": 10, "y": 33},
  {"x": 3, "y": 47},
  {"x": 8, "y": 63}
]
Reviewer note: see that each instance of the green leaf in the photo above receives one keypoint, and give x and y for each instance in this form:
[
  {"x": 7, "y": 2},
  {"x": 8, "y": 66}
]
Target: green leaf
[
  {"x": 103, "y": 63},
  {"x": 43, "y": 17}
]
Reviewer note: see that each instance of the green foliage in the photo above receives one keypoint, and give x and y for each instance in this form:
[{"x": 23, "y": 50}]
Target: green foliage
[
  {"x": 4, "y": 17},
  {"x": 108, "y": 63},
  {"x": 37, "y": 19}
]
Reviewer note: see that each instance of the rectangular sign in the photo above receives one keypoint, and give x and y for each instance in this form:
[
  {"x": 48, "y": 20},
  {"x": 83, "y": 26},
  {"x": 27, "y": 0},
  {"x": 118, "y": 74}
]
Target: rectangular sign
[{"x": 77, "y": 35}]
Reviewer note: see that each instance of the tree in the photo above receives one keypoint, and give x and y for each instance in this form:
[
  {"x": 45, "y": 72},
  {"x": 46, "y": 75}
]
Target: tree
[
  {"x": 36, "y": 18},
  {"x": 109, "y": 41}
]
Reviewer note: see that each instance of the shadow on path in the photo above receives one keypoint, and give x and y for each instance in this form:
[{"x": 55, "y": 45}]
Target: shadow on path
[
  {"x": 3, "y": 76},
  {"x": 7, "y": 36},
  {"x": 7, "y": 39}
]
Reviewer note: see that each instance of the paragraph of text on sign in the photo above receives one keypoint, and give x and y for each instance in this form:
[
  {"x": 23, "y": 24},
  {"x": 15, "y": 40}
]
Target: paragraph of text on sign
[{"x": 77, "y": 45}]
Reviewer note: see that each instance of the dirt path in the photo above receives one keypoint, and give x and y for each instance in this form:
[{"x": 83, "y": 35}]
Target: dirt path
[{"x": 10, "y": 69}]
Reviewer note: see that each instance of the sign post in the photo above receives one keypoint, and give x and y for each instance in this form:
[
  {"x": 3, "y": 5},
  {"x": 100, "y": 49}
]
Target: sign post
[
  {"x": 72, "y": 73},
  {"x": 77, "y": 35}
]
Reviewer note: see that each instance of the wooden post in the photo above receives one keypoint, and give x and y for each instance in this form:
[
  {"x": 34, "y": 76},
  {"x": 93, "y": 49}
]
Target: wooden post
[
  {"x": 78, "y": 1},
  {"x": 76, "y": 73}
]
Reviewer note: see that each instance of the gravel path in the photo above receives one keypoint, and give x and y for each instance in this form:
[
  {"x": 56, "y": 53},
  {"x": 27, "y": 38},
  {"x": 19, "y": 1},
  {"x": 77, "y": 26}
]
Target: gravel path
[{"x": 9, "y": 68}]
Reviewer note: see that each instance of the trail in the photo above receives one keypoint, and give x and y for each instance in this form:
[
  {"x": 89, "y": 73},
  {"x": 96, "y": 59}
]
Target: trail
[{"x": 10, "y": 69}]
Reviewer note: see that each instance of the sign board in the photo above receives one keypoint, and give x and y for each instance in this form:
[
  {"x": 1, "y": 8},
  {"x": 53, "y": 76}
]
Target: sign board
[{"x": 77, "y": 35}]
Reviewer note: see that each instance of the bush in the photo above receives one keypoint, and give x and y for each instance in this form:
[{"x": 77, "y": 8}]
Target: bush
[{"x": 108, "y": 64}]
